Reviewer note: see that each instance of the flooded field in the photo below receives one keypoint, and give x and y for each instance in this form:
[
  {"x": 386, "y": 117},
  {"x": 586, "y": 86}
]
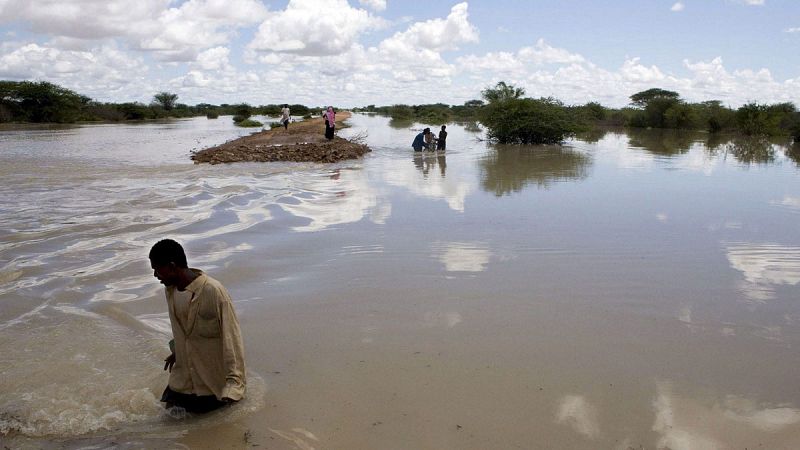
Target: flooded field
[{"x": 628, "y": 289}]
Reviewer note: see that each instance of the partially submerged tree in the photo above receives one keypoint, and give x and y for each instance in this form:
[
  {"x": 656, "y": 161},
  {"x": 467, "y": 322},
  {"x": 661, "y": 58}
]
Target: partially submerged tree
[{"x": 528, "y": 121}]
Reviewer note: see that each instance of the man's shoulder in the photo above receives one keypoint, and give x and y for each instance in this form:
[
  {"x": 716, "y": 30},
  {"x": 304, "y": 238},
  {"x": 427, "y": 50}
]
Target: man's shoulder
[{"x": 212, "y": 286}]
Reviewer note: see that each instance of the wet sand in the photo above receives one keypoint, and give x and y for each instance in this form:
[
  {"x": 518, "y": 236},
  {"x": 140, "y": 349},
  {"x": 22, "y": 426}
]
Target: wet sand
[{"x": 302, "y": 142}]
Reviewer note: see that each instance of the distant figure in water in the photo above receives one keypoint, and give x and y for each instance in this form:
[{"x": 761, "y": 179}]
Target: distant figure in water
[
  {"x": 207, "y": 361},
  {"x": 330, "y": 122},
  {"x": 441, "y": 144},
  {"x": 285, "y": 116},
  {"x": 419, "y": 140}
]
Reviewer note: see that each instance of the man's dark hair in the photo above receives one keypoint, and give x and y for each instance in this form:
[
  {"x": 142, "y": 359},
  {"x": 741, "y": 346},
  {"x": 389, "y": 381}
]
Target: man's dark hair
[{"x": 168, "y": 251}]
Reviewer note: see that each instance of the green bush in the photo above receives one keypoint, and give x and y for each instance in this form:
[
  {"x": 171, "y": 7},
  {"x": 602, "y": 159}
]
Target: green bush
[
  {"x": 249, "y": 123},
  {"x": 400, "y": 112},
  {"x": 753, "y": 119},
  {"x": 212, "y": 114},
  {"x": 528, "y": 121}
]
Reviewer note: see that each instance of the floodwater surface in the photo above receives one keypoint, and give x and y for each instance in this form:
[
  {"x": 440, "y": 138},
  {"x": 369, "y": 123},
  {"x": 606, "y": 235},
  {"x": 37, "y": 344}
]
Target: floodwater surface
[{"x": 627, "y": 289}]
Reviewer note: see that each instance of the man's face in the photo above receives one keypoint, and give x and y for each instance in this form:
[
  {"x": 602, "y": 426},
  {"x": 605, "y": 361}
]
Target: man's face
[{"x": 165, "y": 273}]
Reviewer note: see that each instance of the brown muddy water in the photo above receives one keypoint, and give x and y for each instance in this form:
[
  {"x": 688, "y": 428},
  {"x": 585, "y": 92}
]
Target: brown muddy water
[{"x": 624, "y": 290}]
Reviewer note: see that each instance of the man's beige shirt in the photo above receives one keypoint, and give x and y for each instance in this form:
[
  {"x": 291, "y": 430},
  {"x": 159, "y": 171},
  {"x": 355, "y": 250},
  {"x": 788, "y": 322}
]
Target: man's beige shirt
[{"x": 209, "y": 354}]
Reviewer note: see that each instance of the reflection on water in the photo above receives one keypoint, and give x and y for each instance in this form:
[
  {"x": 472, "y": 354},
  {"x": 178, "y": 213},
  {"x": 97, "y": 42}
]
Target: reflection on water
[
  {"x": 428, "y": 177},
  {"x": 425, "y": 161},
  {"x": 688, "y": 423},
  {"x": 592, "y": 136},
  {"x": 497, "y": 321},
  {"x": 463, "y": 256},
  {"x": 663, "y": 142},
  {"x": 510, "y": 168},
  {"x": 752, "y": 150},
  {"x": 576, "y": 412},
  {"x": 793, "y": 152},
  {"x": 401, "y": 124},
  {"x": 472, "y": 127},
  {"x": 341, "y": 197},
  {"x": 764, "y": 266}
]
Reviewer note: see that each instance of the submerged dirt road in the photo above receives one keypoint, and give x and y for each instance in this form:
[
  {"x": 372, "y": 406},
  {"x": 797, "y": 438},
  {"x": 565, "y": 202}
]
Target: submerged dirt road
[{"x": 303, "y": 141}]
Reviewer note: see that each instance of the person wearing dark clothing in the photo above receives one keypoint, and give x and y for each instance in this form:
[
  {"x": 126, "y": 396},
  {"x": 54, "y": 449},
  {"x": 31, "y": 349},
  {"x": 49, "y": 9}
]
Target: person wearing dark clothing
[
  {"x": 419, "y": 141},
  {"x": 442, "y": 143}
]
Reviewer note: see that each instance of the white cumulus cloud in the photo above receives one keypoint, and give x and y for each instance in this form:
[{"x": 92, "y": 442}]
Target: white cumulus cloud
[
  {"x": 376, "y": 5},
  {"x": 314, "y": 27}
]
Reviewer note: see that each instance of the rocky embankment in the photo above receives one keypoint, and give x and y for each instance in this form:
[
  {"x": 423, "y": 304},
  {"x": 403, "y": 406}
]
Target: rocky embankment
[{"x": 303, "y": 141}]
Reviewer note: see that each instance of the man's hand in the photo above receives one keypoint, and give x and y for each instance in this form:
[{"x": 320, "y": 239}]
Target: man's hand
[{"x": 169, "y": 361}]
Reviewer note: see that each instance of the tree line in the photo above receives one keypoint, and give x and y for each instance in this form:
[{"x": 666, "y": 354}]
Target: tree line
[
  {"x": 510, "y": 117},
  {"x": 45, "y": 102}
]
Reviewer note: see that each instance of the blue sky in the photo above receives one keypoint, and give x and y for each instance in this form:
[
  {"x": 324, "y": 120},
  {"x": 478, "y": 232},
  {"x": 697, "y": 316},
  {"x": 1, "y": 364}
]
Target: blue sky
[{"x": 359, "y": 52}]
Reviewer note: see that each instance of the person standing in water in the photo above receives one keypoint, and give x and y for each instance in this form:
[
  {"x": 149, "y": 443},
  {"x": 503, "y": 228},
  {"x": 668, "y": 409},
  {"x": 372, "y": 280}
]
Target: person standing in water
[
  {"x": 285, "y": 116},
  {"x": 441, "y": 144},
  {"x": 429, "y": 139},
  {"x": 206, "y": 366},
  {"x": 419, "y": 140},
  {"x": 330, "y": 122}
]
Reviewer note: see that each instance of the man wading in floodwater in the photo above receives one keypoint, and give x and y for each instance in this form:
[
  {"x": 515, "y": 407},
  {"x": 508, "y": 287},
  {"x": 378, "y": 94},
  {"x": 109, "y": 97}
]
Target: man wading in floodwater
[{"x": 207, "y": 361}]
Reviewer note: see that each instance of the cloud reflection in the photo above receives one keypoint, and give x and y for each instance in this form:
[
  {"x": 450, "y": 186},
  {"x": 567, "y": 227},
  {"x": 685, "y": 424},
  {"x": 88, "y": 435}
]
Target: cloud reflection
[
  {"x": 436, "y": 183},
  {"x": 764, "y": 266},
  {"x": 463, "y": 256},
  {"x": 346, "y": 196},
  {"x": 688, "y": 423},
  {"x": 576, "y": 412}
]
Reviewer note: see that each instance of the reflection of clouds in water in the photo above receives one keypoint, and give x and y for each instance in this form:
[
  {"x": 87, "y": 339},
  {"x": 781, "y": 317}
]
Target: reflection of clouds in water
[
  {"x": 685, "y": 315},
  {"x": 297, "y": 437},
  {"x": 463, "y": 256},
  {"x": 449, "y": 188},
  {"x": 344, "y": 198},
  {"x": 764, "y": 266},
  {"x": 439, "y": 319},
  {"x": 697, "y": 160},
  {"x": 686, "y": 423},
  {"x": 577, "y": 413},
  {"x": 788, "y": 201},
  {"x": 617, "y": 149}
]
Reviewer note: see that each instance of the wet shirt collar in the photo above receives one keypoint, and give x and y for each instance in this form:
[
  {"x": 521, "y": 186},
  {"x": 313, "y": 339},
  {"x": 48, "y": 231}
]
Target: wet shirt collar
[{"x": 195, "y": 286}]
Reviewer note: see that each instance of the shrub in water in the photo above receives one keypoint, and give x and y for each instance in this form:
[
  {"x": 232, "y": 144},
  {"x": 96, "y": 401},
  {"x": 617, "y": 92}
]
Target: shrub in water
[
  {"x": 249, "y": 123},
  {"x": 527, "y": 121}
]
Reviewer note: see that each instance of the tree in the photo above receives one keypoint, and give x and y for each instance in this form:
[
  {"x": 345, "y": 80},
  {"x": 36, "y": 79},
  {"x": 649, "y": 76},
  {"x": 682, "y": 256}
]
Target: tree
[
  {"x": 644, "y": 98},
  {"x": 501, "y": 92},
  {"x": 41, "y": 101},
  {"x": 528, "y": 121},
  {"x": 167, "y": 100},
  {"x": 655, "y": 103}
]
